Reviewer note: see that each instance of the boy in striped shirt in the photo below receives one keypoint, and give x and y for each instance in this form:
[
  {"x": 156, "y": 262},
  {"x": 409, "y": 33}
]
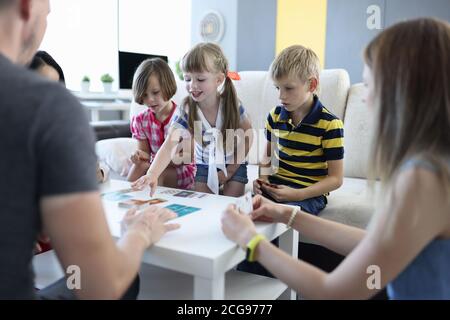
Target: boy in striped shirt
[{"x": 303, "y": 137}]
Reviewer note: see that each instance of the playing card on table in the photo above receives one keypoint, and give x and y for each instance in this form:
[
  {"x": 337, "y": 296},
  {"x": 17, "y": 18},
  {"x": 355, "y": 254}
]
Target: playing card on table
[{"x": 245, "y": 203}]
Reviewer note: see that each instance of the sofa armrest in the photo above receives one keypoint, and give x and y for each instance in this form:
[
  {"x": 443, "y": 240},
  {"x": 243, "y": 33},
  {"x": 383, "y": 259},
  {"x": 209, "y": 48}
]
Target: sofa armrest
[
  {"x": 115, "y": 153},
  {"x": 111, "y": 129}
]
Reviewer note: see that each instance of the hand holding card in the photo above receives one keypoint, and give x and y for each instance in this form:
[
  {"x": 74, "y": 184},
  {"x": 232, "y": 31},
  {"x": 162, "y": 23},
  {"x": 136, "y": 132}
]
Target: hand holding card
[
  {"x": 266, "y": 183},
  {"x": 245, "y": 203}
]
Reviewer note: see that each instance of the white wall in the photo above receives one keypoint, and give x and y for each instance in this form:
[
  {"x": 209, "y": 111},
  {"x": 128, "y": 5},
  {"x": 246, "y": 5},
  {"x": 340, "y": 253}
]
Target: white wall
[
  {"x": 229, "y": 11},
  {"x": 249, "y": 38},
  {"x": 84, "y": 36},
  {"x": 155, "y": 27}
]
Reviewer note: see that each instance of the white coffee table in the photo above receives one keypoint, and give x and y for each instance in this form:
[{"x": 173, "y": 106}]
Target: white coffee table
[{"x": 198, "y": 248}]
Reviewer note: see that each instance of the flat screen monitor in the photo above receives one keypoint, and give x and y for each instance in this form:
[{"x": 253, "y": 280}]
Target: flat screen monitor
[{"x": 128, "y": 63}]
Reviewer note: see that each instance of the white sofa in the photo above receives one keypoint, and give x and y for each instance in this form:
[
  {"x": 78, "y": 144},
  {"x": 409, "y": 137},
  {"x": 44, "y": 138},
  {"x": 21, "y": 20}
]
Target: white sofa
[{"x": 351, "y": 204}]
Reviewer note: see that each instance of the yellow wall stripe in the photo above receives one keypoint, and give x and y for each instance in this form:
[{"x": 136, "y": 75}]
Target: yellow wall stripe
[{"x": 302, "y": 22}]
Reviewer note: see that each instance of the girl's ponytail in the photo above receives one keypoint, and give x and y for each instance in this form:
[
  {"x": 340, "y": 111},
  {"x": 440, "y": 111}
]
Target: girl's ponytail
[
  {"x": 231, "y": 103},
  {"x": 230, "y": 111},
  {"x": 192, "y": 118}
]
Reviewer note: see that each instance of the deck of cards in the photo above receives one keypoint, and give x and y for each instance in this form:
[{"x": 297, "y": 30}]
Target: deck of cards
[{"x": 245, "y": 203}]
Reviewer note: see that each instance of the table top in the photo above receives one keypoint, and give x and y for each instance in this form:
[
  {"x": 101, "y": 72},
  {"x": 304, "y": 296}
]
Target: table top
[{"x": 199, "y": 246}]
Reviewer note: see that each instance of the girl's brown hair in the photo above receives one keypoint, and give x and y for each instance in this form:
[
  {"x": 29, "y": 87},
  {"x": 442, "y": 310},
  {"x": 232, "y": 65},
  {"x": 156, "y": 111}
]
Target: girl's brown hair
[
  {"x": 410, "y": 64},
  {"x": 210, "y": 57},
  {"x": 156, "y": 67}
]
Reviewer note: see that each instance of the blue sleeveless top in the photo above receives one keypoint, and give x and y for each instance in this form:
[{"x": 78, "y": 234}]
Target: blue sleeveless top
[{"x": 428, "y": 275}]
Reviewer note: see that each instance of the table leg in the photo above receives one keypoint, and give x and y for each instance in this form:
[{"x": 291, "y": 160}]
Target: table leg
[
  {"x": 125, "y": 115},
  {"x": 95, "y": 115},
  {"x": 288, "y": 242},
  {"x": 209, "y": 289}
]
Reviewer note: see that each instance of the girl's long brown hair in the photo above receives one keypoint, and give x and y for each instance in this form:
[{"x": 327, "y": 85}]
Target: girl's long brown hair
[
  {"x": 210, "y": 57},
  {"x": 162, "y": 71},
  {"x": 410, "y": 63}
]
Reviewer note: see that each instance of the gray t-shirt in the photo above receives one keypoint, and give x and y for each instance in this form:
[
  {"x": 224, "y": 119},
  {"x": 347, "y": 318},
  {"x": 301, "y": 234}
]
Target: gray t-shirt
[{"x": 47, "y": 148}]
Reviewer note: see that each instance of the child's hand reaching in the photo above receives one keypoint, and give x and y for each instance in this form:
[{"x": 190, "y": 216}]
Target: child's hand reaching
[
  {"x": 146, "y": 180},
  {"x": 140, "y": 156}
]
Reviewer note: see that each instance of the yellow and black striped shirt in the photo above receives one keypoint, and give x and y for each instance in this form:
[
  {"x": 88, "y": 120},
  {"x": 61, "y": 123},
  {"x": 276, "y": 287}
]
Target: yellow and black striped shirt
[{"x": 302, "y": 151}]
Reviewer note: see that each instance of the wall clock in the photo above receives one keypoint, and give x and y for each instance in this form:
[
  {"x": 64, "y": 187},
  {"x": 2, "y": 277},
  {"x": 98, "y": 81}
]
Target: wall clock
[{"x": 212, "y": 27}]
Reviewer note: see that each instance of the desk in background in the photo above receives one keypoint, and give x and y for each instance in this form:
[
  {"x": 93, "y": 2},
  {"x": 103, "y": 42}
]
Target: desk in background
[{"x": 95, "y": 102}]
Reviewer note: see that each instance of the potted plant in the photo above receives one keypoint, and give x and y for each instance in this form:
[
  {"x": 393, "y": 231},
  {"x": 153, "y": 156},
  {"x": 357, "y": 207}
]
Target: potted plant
[
  {"x": 107, "y": 81},
  {"x": 85, "y": 84},
  {"x": 178, "y": 70}
]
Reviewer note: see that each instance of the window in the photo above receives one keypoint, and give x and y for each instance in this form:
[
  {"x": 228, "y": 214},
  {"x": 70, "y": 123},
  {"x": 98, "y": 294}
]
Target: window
[
  {"x": 84, "y": 36},
  {"x": 155, "y": 27}
]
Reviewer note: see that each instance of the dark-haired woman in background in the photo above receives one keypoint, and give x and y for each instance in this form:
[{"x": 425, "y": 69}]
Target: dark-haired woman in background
[{"x": 45, "y": 65}]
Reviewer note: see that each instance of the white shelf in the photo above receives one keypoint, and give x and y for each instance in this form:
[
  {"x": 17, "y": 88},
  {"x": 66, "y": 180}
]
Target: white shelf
[
  {"x": 95, "y": 102},
  {"x": 118, "y": 106},
  {"x": 123, "y": 95},
  {"x": 157, "y": 283},
  {"x": 162, "y": 284}
]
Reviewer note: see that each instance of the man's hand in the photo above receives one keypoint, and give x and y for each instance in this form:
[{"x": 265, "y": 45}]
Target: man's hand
[{"x": 151, "y": 223}]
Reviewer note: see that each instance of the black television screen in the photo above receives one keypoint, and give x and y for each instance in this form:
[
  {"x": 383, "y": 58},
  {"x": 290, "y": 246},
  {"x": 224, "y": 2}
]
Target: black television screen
[{"x": 128, "y": 63}]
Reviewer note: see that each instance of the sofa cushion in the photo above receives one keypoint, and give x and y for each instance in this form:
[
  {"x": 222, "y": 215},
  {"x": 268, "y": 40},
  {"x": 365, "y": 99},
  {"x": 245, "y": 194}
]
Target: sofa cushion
[
  {"x": 358, "y": 130},
  {"x": 116, "y": 154},
  {"x": 259, "y": 95},
  {"x": 351, "y": 204},
  {"x": 334, "y": 86}
]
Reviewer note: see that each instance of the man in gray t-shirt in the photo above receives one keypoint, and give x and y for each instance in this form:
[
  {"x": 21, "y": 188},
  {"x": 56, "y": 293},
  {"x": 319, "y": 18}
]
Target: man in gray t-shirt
[
  {"x": 48, "y": 149},
  {"x": 47, "y": 175}
]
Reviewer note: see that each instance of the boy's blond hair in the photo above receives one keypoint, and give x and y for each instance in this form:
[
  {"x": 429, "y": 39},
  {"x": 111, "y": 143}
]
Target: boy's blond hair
[{"x": 296, "y": 61}]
